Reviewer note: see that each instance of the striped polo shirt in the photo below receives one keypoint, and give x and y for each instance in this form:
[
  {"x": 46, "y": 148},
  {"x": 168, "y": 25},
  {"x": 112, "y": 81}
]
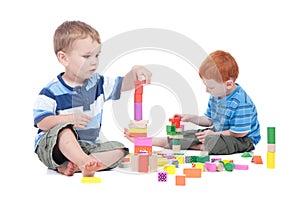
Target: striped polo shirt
[
  {"x": 59, "y": 98},
  {"x": 236, "y": 113}
]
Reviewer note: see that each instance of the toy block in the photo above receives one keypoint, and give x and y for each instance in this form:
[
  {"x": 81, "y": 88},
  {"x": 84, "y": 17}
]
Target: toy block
[
  {"x": 137, "y": 135},
  {"x": 241, "y": 167},
  {"x": 271, "y": 148},
  {"x": 271, "y": 160},
  {"x": 177, "y": 136},
  {"x": 176, "y": 147},
  {"x": 162, "y": 176},
  {"x": 192, "y": 172},
  {"x": 138, "y": 98},
  {"x": 161, "y": 161},
  {"x": 215, "y": 159},
  {"x": 138, "y": 130},
  {"x": 134, "y": 163},
  {"x": 170, "y": 169},
  {"x": 143, "y": 141},
  {"x": 153, "y": 163},
  {"x": 138, "y": 111},
  {"x": 187, "y": 159},
  {"x": 138, "y": 90},
  {"x": 201, "y": 159},
  {"x": 124, "y": 165},
  {"x": 203, "y": 153},
  {"x": 175, "y": 121},
  {"x": 180, "y": 180},
  {"x": 246, "y": 155},
  {"x": 178, "y": 129},
  {"x": 210, "y": 167},
  {"x": 229, "y": 166},
  {"x": 180, "y": 159},
  {"x": 91, "y": 180},
  {"x": 138, "y": 124},
  {"x": 182, "y": 127},
  {"x": 143, "y": 162},
  {"x": 219, "y": 166},
  {"x": 225, "y": 161},
  {"x": 271, "y": 135},
  {"x": 257, "y": 159},
  {"x": 171, "y": 130},
  {"x": 174, "y": 162},
  {"x": 199, "y": 165},
  {"x": 142, "y": 149}
]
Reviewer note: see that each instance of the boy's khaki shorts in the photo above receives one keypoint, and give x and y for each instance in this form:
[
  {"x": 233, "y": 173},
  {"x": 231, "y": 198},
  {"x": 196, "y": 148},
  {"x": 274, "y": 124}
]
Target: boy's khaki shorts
[
  {"x": 215, "y": 144},
  {"x": 48, "y": 143}
]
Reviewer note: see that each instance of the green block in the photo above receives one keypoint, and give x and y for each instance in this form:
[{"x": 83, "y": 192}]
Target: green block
[
  {"x": 271, "y": 135},
  {"x": 229, "y": 166},
  {"x": 176, "y": 141}
]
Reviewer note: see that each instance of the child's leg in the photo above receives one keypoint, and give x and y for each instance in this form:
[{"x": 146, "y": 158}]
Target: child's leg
[
  {"x": 110, "y": 153},
  {"x": 109, "y": 158},
  {"x": 71, "y": 149}
]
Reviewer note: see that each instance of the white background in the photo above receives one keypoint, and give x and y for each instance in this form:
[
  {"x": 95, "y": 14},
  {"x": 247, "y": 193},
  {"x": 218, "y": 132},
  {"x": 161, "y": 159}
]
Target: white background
[{"x": 263, "y": 36}]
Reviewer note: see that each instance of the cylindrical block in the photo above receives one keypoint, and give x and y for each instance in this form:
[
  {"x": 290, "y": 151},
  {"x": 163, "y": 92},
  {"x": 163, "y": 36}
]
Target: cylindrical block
[
  {"x": 271, "y": 135},
  {"x": 138, "y": 111},
  {"x": 271, "y": 160}
]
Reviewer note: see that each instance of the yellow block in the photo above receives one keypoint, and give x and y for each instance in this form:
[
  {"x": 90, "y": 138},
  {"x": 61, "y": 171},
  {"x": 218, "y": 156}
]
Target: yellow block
[
  {"x": 137, "y": 130},
  {"x": 170, "y": 169},
  {"x": 271, "y": 160},
  {"x": 180, "y": 159},
  {"x": 161, "y": 161},
  {"x": 91, "y": 180}
]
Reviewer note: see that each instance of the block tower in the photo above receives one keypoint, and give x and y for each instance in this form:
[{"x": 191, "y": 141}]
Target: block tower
[
  {"x": 138, "y": 126},
  {"x": 174, "y": 131},
  {"x": 142, "y": 159},
  {"x": 271, "y": 148}
]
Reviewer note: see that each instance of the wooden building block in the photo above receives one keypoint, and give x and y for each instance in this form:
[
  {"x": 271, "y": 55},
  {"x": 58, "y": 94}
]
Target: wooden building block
[
  {"x": 180, "y": 180},
  {"x": 192, "y": 172}
]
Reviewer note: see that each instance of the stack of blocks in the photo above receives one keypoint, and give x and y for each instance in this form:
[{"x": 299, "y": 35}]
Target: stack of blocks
[
  {"x": 142, "y": 160},
  {"x": 138, "y": 126},
  {"x": 271, "y": 148},
  {"x": 174, "y": 131}
]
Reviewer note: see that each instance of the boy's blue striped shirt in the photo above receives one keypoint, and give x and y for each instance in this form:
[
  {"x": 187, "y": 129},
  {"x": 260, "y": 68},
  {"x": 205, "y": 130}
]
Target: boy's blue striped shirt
[
  {"x": 59, "y": 98},
  {"x": 236, "y": 113}
]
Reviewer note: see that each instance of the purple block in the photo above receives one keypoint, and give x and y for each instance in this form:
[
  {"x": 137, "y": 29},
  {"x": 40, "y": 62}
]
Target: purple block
[{"x": 138, "y": 111}]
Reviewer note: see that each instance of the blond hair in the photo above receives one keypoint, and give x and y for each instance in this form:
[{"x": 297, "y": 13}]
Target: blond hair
[{"x": 69, "y": 31}]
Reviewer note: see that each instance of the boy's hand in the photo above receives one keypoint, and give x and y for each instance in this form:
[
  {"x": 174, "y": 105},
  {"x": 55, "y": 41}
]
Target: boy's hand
[
  {"x": 201, "y": 135},
  {"x": 126, "y": 134},
  {"x": 136, "y": 73},
  {"x": 185, "y": 117},
  {"x": 80, "y": 120},
  {"x": 141, "y": 73}
]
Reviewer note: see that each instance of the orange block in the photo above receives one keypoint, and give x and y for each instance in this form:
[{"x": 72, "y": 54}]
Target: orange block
[
  {"x": 192, "y": 172},
  {"x": 143, "y": 163},
  {"x": 257, "y": 160},
  {"x": 180, "y": 180}
]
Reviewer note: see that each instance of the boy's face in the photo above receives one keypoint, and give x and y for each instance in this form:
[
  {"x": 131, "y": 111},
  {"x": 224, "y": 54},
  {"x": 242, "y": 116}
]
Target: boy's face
[
  {"x": 215, "y": 88},
  {"x": 83, "y": 59}
]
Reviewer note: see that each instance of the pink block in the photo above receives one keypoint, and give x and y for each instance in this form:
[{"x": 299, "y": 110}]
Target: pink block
[
  {"x": 143, "y": 141},
  {"x": 138, "y": 111},
  {"x": 241, "y": 167},
  {"x": 210, "y": 167}
]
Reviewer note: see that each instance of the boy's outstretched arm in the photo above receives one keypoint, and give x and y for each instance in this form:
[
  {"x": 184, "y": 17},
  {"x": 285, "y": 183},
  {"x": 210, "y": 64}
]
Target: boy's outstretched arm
[
  {"x": 156, "y": 141},
  {"x": 136, "y": 73}
]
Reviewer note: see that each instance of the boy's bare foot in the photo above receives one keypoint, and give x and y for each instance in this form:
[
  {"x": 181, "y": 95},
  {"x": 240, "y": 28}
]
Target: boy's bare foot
[
  {"x": 90, "y": 168},
  {"x": 68, "y": 169}
]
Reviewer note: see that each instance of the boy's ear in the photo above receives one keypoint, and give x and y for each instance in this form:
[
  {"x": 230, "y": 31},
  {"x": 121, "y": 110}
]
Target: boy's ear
[
  {"x": 229, "y": 84},
  {"x": 62, "y": 58}
]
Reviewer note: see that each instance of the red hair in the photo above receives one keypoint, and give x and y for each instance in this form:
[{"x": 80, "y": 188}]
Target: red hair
[{"x": 219, "y": 66}]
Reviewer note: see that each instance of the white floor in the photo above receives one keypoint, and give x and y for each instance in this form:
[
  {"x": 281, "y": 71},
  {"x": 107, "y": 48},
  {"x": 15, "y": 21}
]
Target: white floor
[{"x": 256, "y": 182}]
